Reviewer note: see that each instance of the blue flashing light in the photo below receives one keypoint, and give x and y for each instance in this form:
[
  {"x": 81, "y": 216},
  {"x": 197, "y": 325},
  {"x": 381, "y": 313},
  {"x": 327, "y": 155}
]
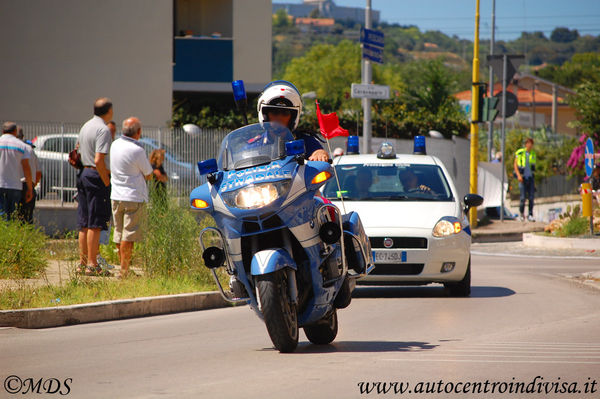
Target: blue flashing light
[
  {"x": 352, "y": 146},
  {"x": 207, "y": 167},
  {"x": 419, "y": 147},
  {"x": 295, "y": 147},
  {"x": 239, "y": 92}
]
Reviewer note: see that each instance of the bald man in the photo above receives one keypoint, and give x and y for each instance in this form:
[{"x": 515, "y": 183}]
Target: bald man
[
  {"x": 93, "y": 186},
  {"x": 130, "y": 168}
]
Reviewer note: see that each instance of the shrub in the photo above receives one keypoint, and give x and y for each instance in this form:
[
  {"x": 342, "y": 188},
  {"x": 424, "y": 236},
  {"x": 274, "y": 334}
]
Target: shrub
[
  {"x": 21, "y": 250},
  {"x": 171, "y": 246}
]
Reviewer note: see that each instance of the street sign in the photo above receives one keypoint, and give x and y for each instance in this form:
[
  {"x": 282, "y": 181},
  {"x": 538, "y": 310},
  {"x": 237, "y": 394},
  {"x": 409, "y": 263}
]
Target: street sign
[
  {"x": 371, "y": 37},
  {"x": 512, "y": 65},
  {"x": 372, "y": 53},
  {"x": 377, "y": 92},
  {"x": 512, "y": 103},
  {"x": 589, "y": 157}
]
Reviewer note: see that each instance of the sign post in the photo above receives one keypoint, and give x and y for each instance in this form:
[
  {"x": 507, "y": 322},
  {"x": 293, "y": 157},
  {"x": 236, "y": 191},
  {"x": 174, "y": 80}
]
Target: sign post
[
  {"x": 586, "y": 188},
  {"x": 372, "y": 51}
]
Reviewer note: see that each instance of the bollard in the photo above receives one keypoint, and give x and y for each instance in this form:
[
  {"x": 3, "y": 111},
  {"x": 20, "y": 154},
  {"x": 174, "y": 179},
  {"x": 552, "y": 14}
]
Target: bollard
[{"x": 586, "y": 208}]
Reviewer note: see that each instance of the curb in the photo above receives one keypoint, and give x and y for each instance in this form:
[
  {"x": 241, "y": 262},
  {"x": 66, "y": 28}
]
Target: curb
[
  {"x": 111, "y": 310},
  {"x": 481, "y": 237},
  {"x": 535, "y": 240}
]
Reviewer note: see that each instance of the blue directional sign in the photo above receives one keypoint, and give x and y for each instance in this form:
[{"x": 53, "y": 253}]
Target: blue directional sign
[
  {"x": 372, "y": 53},
  {"x": 371, "y": 37},
  {"x": 589, "y": 157}
]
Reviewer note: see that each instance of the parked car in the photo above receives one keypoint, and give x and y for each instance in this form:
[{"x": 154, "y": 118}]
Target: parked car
[
  {"x": 57, "y": 175},
  {"x": 412, "y": 214}
]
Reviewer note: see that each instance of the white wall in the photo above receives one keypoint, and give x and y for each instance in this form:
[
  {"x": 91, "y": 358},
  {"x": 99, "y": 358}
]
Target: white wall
[
  {"x": 58, "y": 56},
  {"x": 252, "y": 21}
]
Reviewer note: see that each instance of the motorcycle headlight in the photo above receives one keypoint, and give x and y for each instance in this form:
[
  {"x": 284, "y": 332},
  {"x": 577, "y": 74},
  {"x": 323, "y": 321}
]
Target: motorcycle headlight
[
  {"x": 446, "y": 227},
  {"x": 256, "y": 195}
]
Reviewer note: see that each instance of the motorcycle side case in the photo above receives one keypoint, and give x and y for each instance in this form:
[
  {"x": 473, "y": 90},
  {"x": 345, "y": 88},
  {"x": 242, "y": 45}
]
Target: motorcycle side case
[{"x": 354, "y": 255}]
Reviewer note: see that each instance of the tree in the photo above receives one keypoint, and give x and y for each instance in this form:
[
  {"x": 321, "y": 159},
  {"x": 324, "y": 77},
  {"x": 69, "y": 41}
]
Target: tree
[
  {"x": 564, "y": 35},
  {"x": 281, "y": 19},
  {"x": 327, "y": 70},
  {"x": 581, "y": 68}
]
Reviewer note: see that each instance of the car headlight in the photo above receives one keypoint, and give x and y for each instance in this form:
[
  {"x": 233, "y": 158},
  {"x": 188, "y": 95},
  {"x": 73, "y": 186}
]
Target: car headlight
[
  {"x": 446, "y": 227},
  {"x": 256, "y": 195}
]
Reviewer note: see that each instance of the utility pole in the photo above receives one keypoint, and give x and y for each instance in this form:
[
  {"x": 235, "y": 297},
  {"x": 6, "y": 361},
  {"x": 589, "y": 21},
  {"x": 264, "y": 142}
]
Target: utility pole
[
  {"x": 491, "y": 123},
  {"x": 504, "y": 77},
  {"x": 474, "y": 118},
  {"x": 366, "y": 79}
]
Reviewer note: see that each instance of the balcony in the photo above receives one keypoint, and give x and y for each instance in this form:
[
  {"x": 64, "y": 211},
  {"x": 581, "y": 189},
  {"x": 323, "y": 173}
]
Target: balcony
[{"x": 203, "y": 59}]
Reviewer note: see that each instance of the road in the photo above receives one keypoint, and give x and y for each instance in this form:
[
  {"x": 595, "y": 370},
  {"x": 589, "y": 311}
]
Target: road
[{"x": 522, "y": 321}]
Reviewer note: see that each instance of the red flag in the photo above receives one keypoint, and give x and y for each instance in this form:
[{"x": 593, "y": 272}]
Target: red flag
[{"x": 330, "y": 124}]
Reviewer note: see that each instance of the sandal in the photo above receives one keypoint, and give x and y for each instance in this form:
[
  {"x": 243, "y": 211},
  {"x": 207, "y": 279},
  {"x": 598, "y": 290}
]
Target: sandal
[
  {"x": 97, "y": 271},
  {"x": 81, "y": 269}
]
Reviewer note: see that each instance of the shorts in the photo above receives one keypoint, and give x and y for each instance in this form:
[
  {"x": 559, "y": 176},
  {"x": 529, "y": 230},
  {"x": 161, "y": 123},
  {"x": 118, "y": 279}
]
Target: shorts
[
  {"x": 93, "y": 209},
  {"x": 128, "y": 217}
]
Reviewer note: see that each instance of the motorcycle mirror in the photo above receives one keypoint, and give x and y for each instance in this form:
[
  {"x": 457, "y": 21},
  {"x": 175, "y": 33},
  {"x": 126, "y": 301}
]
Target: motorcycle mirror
[
  {"x": 295, "y": 147},
  {"x": 207, "y": 167}
]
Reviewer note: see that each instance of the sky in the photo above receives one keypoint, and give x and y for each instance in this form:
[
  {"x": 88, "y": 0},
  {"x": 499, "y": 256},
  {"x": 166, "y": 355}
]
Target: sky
[{"x": 457, "y": 17}]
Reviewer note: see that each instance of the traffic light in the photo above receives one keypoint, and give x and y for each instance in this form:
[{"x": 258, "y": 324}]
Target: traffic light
[{"x": 489, "y": 109}]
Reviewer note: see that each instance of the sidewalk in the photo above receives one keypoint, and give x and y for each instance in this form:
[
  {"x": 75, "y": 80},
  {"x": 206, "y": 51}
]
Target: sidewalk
[{"x": 508, "y": 230}]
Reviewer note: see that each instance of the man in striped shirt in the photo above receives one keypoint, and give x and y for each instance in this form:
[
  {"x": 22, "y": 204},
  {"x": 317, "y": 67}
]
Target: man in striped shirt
[{"x": 14, "y": 165}]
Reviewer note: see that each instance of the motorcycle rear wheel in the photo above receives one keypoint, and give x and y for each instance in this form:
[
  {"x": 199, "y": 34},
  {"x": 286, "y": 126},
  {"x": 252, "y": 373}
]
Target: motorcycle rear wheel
[
  {"x": 323, "y": 332},
  {"x": 280, "y": 314}
]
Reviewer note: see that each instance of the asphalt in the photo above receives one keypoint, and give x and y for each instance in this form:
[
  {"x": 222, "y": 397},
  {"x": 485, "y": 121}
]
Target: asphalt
[{"x": 522, "y": 321}]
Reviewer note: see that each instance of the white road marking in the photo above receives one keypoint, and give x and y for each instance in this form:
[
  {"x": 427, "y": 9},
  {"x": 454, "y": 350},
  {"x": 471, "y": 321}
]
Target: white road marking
[
  {"x": 487, "y": 361},
  {"x": 531, "y": 256},
  {"x": 595, "y": 352},
  {"x": 527, "y": 356}
]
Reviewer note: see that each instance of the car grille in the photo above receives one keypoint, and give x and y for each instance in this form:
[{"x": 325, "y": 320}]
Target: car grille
[
  {"x": 400, "y": 242},
  {"x": 397, "y": 269}
]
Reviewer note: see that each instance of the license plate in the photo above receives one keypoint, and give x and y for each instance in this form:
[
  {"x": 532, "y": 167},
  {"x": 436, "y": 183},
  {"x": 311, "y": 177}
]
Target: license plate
[{"x": 390, "y": 257}]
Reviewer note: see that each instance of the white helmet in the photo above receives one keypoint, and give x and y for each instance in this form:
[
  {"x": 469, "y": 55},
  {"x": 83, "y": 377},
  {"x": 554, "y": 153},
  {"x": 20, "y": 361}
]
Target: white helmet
[{"x": 280, "y": 94}]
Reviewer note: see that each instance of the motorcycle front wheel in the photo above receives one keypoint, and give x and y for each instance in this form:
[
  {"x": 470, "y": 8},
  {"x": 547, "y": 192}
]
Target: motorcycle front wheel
[
  {"x": 323, "y": 332},
  {"x": 279, "y": 312}
]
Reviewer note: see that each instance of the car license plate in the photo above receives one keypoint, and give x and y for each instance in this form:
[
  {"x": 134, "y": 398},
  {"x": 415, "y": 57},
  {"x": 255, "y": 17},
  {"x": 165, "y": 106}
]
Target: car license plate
[{"x": 390, "y": 256}]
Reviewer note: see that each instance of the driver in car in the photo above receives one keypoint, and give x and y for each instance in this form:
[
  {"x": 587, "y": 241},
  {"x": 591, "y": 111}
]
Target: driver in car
[
  {"x": 410, "y": 182},
  {"x": 280, "y": 102}
]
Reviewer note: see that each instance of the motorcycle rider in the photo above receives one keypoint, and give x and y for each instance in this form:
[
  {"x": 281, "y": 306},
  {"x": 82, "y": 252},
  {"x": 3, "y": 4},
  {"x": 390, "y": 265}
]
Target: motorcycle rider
[{"x": 281, "y": 102}]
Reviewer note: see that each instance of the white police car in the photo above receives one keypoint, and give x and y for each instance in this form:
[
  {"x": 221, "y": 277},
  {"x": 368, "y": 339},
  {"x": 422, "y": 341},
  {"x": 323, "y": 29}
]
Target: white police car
[{"x": 412, "y": 214}]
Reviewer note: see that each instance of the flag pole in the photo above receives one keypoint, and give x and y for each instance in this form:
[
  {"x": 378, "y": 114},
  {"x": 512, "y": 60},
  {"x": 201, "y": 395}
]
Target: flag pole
[{"x": 337, "y": 180}]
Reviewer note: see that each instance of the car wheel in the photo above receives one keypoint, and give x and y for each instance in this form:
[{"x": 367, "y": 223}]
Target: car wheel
[{"x": 461, "y": 288}]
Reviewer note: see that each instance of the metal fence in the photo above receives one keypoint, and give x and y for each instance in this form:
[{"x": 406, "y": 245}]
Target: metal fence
[{"x": 54, "y": 141}]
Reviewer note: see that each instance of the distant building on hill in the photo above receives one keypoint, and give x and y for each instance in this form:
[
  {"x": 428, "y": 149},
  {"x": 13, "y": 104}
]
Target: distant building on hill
[{"x": 327, "y": 9}]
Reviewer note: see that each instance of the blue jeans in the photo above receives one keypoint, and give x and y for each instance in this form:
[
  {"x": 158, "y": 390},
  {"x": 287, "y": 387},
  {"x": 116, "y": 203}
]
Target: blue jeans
[
  {"x": 9, "y": 199},
  {"x": 527, "y": 188}
]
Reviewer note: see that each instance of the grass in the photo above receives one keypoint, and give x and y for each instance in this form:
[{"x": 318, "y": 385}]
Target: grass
[
  {"x": 85, "y": 290},
  {"x": 21, "y": 250},
  {"x": 170, "y": 257}
]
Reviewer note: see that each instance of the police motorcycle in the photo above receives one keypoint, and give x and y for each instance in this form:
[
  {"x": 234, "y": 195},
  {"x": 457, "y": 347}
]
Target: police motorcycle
[{"x": 293, "y": 257}]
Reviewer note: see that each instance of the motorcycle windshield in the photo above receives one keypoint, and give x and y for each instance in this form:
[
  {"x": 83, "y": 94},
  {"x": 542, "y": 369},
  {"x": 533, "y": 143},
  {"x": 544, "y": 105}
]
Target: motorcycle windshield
[{"x": 253, "y": 145}]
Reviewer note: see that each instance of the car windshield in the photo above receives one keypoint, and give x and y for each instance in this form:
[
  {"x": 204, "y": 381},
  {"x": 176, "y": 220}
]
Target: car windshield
[
  {"x": 253, "y": 145},
  {"x": 389, "y": 182}
]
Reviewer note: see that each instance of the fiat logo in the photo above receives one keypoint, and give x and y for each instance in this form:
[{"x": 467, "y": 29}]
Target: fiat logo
[{"x": 388, "y": 242}]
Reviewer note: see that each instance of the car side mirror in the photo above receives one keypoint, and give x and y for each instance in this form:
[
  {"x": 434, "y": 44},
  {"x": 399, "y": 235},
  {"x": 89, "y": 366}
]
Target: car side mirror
[{"x": 472, "y": 200}]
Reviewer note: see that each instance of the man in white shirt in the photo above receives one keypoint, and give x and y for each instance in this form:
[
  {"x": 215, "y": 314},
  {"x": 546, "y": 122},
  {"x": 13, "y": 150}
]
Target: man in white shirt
[
  {"x": 130, "y": 168},
  {"x": 14, "y": 165}
]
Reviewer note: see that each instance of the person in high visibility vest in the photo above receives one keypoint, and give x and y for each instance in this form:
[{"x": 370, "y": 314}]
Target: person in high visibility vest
[{"x": 524, "y": 166}]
